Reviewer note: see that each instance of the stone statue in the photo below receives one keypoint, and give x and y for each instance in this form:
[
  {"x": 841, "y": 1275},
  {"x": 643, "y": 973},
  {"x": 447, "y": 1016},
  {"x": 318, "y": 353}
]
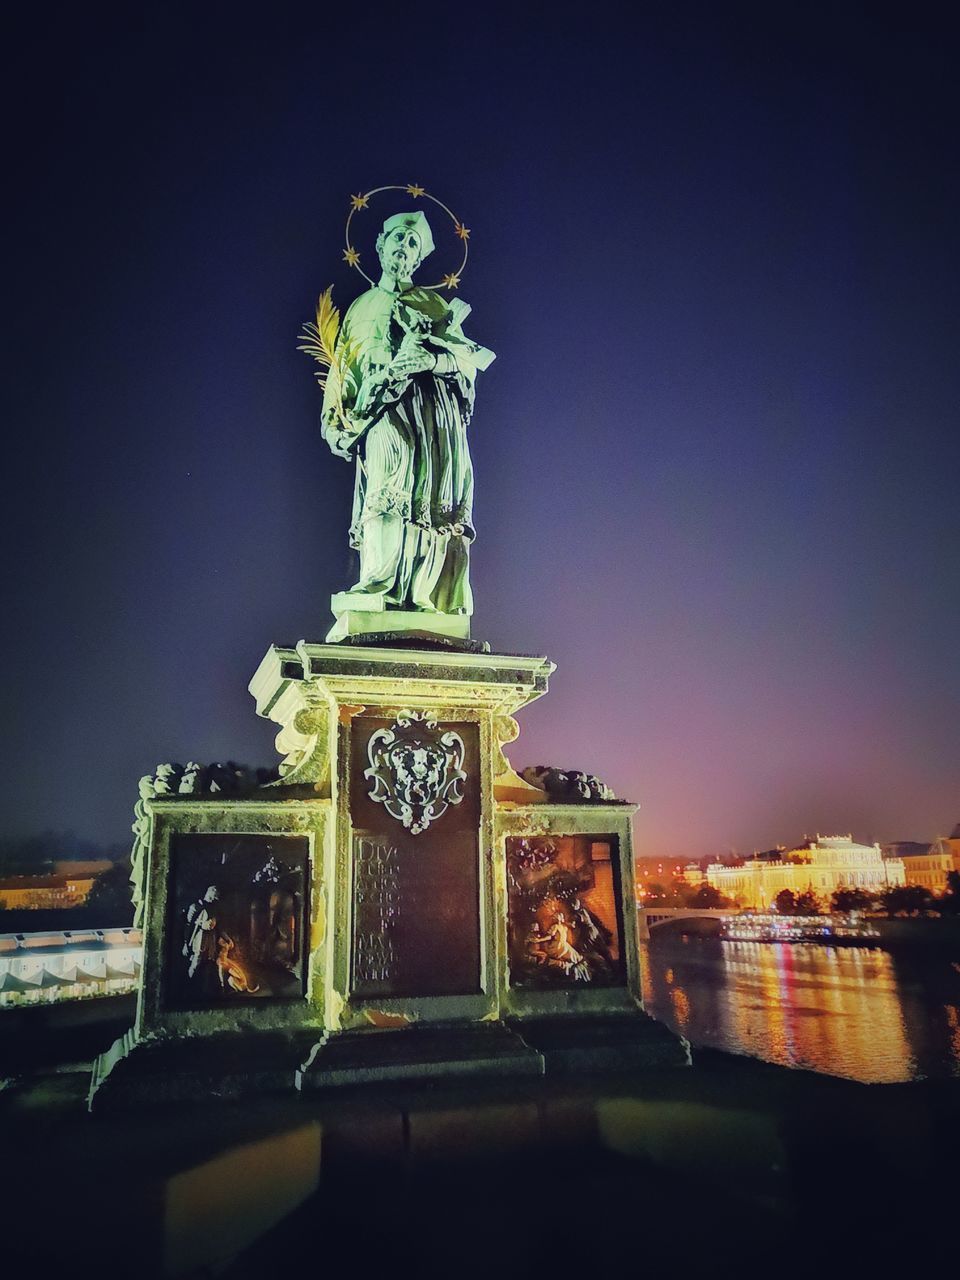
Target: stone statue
[
  {"x": 398, "y": 397},
  {"x": 567, "y": 786}
]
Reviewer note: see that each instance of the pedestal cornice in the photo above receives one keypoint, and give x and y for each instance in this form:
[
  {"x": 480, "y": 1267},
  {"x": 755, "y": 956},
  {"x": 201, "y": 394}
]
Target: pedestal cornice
[{"x": 354, "y": 673}]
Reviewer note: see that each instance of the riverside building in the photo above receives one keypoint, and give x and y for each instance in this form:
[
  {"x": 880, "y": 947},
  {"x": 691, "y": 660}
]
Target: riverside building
[
  {"x": 931, "y": 868},
  {"x": 949, "y": 845},
  {"x": 821, "y": 867},
  {"x": 39, "y": 893}
]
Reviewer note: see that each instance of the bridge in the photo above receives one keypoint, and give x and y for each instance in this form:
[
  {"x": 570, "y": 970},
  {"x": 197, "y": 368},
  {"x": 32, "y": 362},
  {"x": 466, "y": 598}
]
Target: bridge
[{"x": 651, "y": 917}]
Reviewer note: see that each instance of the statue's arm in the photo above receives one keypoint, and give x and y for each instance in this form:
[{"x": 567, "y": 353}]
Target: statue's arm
[{"x": 342, "y": 423}]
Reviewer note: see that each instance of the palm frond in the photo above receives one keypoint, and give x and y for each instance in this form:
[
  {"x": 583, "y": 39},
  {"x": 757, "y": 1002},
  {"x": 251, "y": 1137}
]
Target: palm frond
[
  {"x": 328, "y": 321},
  {"x": 319, "y": 338}
]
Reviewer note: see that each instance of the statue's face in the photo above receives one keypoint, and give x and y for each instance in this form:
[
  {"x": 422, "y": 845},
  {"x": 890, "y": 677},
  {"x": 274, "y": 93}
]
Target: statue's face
[{"x": 399, "y": 252}]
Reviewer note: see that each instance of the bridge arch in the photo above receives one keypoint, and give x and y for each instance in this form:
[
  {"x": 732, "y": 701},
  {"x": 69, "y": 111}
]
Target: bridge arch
[{"x": 649, "y": 918}]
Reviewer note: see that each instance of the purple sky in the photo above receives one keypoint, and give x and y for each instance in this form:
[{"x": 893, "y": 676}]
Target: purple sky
[{"x": 717, "y": 456}]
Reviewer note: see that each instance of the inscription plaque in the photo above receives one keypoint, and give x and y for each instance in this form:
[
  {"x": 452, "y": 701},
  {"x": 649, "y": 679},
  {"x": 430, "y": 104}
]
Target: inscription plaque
[
  {"x": 416, "y": 895},
  {"x": 377, "y": 907}
]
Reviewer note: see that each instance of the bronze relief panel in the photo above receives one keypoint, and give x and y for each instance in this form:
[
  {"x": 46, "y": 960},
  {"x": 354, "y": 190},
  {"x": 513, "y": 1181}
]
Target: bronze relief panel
[
  {"x": 237, "y": 920},
  {"x": 565, "y": 920}
]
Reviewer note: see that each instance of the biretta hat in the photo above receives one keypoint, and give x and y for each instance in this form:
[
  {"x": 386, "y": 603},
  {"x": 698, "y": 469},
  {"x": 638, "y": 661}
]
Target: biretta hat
[{"x": 416, "y": 222}]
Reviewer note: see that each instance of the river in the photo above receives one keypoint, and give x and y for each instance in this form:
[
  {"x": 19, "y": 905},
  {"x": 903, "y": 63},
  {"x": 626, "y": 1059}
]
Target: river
[{"x": 864, "y": 1013}]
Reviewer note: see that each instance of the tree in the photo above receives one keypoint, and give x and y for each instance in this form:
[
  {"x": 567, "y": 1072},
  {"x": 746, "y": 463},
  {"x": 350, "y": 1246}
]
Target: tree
[
  {"x": 786, "y": 903},
  {"x": 110, "y": 898},
  {"x": 846, "y": 900},
  {"x": 808, "y": 904},
  {"x": 707, "y": 896},
  {"x": 906, "y": 899},
  {"x": 950, "y": 902},
  {"x": 35, "y": 855}
]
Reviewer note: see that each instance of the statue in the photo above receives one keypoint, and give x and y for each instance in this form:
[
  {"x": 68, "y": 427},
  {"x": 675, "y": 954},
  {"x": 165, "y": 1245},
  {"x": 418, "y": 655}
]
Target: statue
[
  {"x": 202, "y": 922},
  {"x": 398, "y": 396}
]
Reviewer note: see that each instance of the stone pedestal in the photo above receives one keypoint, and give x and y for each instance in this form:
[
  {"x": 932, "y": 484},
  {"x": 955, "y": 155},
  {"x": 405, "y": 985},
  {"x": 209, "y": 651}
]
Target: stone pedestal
[
  {"x": 399, "y": 905},
  {"x": 359, "y": 613}
]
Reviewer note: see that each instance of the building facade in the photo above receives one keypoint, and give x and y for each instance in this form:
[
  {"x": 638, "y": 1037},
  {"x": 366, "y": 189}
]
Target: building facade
[
  {"x": 929, "y": 870},
  {"x": 930, "y": 867},
  {"x": 39, "y": 893},
  {"x": 820, "y": 866},
  {"x": 949, "y": 845}
]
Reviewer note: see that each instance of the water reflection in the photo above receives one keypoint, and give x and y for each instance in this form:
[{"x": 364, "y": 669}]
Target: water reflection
[{"x": 866, "y": 1014}]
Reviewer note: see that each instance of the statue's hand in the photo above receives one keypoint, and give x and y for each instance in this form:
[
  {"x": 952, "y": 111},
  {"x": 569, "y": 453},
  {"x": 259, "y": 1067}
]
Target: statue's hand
[
  {"x": 342, "y": 442},
  {"x": 410, "y": 359}
]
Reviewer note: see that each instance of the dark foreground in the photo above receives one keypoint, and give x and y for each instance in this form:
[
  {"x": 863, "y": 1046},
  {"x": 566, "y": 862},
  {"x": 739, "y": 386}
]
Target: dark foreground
[{"x": 730, "y": 1164}]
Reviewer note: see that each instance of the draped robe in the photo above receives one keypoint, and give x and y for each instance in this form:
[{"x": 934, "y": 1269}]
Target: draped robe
[{"x": 413, "y": 498}]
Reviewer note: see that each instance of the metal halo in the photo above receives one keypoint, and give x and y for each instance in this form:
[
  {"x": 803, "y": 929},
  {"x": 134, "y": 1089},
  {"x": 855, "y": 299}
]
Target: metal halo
[{"x": 411, "y": 189}]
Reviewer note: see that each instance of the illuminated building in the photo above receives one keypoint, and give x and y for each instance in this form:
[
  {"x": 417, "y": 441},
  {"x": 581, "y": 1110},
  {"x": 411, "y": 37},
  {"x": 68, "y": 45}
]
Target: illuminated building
[
  {"x": 40, "y": 968},
  {"x": 949, "y": 844},
  {"x": 692, "y": 874},
  {"x": 36, "y": 893},
  {"x": 931, "y": 868},
  {"x": 821, "y": 866},
  {"x": 928, "y": 865}
]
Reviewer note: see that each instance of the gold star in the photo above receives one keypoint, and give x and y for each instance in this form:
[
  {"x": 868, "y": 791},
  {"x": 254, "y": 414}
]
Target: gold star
[
  {"x": 350, "y": 256},
  {"x": 359, "y": 202},
  {"x": 414, "y": 190},
  {"x": 462, "y": 231},
  {"x": 451, "y": 281}
]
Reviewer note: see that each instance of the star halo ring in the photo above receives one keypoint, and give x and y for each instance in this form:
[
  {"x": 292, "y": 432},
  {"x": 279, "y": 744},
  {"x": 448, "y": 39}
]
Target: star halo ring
[{"x": 358, "y": 203}]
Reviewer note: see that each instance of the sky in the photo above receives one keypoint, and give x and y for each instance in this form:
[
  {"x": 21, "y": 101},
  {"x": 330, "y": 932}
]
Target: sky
[{"x": 715, "y": 250}]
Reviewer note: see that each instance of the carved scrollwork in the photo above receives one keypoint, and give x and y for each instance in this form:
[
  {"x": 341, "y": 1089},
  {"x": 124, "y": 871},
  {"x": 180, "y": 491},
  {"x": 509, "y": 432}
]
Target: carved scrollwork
[
  {"x": 310, "y": 720},
  {"x": 417, "y": 772},
  {"x": 303, "y": 743},
  {"x": 506, "y": 730}
]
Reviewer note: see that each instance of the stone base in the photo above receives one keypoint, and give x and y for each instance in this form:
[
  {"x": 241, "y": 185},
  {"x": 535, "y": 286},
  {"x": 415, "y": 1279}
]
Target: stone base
[
  {"x": 233, "y": 1065},
  {"x": 569, "y": 1045},
  {"x": 449, "y": 1052},
  {"x": 359, "y": 614},
  {"x": 560, "y": 1045},
  {"x": 224, "y": 1066}
]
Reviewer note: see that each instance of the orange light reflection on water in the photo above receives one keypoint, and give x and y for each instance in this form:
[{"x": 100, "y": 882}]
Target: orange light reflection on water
[
  {"x": 838, "y": 1010},
  {"x": 953, "y": 1022}
]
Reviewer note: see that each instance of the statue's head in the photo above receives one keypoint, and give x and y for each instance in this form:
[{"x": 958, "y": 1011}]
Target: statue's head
[{"x": 403, "y": 244}]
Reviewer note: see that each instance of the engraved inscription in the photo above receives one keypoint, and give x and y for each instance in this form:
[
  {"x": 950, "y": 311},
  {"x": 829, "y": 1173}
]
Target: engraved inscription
[{"x": 377, "y": 904}]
